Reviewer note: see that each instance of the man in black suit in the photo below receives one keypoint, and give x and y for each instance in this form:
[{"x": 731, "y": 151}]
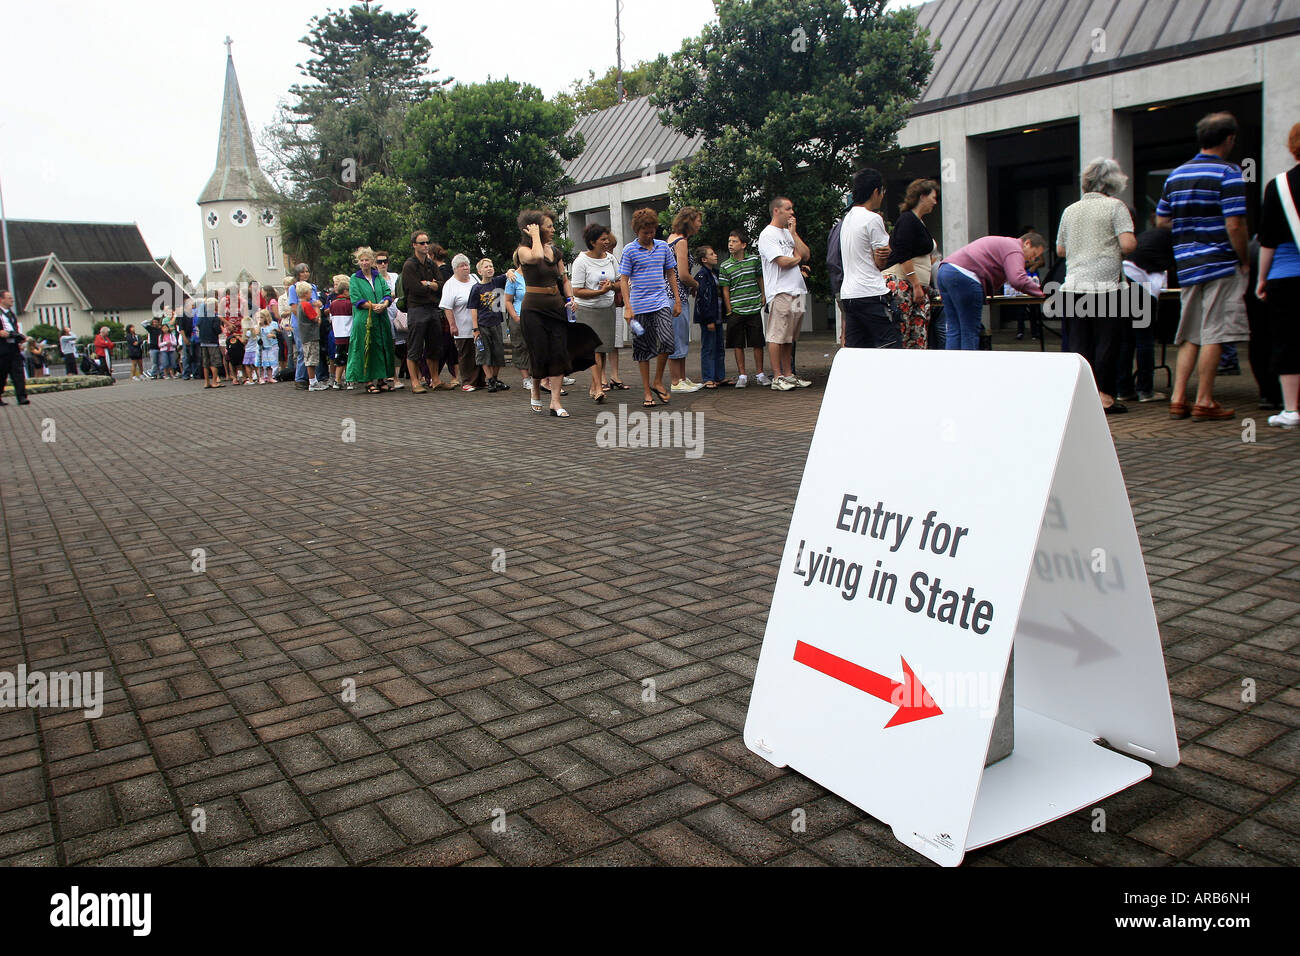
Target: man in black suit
[{"x": 11, "y": 350}]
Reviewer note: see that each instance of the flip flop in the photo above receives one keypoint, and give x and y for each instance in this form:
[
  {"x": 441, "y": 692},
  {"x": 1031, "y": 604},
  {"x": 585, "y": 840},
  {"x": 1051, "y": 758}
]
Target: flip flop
[
  {"x": 649, "y": 404},
  {"x": 617, "y": 384},
  {"x": 663, "y": 396}
]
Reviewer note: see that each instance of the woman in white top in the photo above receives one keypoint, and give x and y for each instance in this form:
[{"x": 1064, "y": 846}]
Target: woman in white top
[
  {"x": 1096, "y": 234},
  {"x": 455, "y": 305},
  {"x": 595, "y": 274}
]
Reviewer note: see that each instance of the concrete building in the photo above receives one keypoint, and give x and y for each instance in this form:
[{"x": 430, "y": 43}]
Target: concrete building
[
  {"x": 80, "y": 274},
  {"x": 1021, "y": 96},
  {"x": 241, "y": 226}
]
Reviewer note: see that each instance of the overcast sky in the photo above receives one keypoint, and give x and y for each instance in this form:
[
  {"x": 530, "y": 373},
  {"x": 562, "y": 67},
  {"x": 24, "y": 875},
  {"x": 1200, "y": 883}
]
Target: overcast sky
[{"x": 110, "y": 110}]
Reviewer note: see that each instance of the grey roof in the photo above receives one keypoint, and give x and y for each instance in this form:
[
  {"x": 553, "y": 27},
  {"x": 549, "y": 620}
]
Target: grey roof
[
  {"x": 622, "y": 140},
  {"x": 237, "y": 175},
  {"x": 78, "y": 241},
  {"x": 991, "y": 49},
  {"x": 109, "y": 261}
]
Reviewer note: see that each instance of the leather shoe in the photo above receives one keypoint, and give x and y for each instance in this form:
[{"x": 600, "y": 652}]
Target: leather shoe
[
  {"x": 1214, "y": 412},
  {"x": 1179, "y": 410}
]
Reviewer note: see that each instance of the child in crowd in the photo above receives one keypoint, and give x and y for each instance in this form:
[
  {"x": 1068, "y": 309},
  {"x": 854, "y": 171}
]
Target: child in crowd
[
  {"x": 708, "y": 313},
  {"x": 309, "y": 333},
  {"x": 485, "y": 310},
  {"x": 236, "y": 343},
  {"x": 251, "y": 332},
  {"x": 167, "y": 352},
  {"x": 741, "y": 280},
  {"x": 341, "y": 320},
  {"x": 268, "y": 344}
]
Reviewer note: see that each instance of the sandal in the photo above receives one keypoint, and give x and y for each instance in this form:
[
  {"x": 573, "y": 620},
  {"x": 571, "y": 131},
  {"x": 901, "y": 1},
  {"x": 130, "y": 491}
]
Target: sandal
[
  {"x": 615, "y": 383},
  {"x": 559, "y": 413},
  {"x": 710, "y": 384},
  {"x": 649, "y": 404},
  {"x": 385, "y": 387},
  {"x": 663, "y": 396},
  {"x": 535, "y": 404},
  {"x": 599, "y": 399},
  {"x": 372, "y": 389}
]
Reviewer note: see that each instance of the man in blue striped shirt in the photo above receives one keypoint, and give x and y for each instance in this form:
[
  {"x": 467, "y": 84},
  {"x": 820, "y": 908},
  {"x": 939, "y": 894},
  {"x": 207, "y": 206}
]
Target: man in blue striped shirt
[{"x": 1204, "y": 203}]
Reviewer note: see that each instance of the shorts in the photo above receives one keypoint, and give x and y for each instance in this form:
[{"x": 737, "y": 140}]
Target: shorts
[
  {"x": 311, "y": 352},
  {"x": 682, "y": 330},
  {"x": 340, "y": 351},
  {"x": 658, "y": 338},
  {"x": 745, "y": 330},
  {"x": 166, "y": 360},
  {"x": 212, "y": 357},
  {"x": 424, "y": 334},
  {"x": 784, "y": 318},
  {"x": 494, "y": 346},
  {"x": 1214, "y": 312}
]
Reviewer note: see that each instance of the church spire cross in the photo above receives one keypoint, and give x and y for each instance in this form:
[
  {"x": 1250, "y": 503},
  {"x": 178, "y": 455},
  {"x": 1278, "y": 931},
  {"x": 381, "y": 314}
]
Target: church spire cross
[{"x": 229, "y": 44}]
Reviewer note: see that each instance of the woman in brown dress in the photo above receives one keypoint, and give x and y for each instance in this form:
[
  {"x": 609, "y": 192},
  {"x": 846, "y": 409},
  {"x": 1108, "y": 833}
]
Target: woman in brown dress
[{"x": 544, "y": 319}]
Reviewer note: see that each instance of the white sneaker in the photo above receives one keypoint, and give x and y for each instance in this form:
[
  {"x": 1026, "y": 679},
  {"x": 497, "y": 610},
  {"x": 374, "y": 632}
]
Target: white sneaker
[
  {"x": 762, "y": 379},
  {"x": 782, "y": 385},
  {"x": 569, "y": 381},
  {"x": 318, "y": 387},
  {"x": 681, "y": 386},
  {"x": 800, "y": 382},
  {"x": 742, "y": 381},
  {"x": 1285, "y": 420}
]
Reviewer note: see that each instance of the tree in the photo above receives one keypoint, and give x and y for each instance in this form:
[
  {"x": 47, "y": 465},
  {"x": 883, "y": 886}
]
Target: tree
[
  {"x": 791, "y": 99},
  {"x": 379, "y": 215},
  {"x": 367, "y": 67},
  {"x": 477, "y": 154},
  {"x": 592, "y": 95}
]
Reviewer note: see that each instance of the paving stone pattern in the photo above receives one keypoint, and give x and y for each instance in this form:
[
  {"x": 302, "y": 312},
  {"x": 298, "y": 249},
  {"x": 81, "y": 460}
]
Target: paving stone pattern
[{"x": 517, "y": 697}]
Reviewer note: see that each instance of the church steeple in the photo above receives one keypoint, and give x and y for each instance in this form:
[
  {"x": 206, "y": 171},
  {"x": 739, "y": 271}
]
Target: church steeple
[{"x": 237, "y": 176}]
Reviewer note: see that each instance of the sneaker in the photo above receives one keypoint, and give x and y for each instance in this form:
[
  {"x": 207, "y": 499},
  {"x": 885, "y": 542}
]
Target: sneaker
[
  {"x": 501, "y": 386},
  {"x": 1127, "y": 397},
  {"x": 1285, "y": 420},
  {"x": 491, "y": 386},
  {"x": 397, "y": 384},
  {"x": 742, "y": 381},
  {"x": 568, "y": 381},
  {"x": 762, "y": 379},
  {"x": 1151, "y": 397},
  {"x": 349, "y": 387},
  {"x": 300, "y": 385},
  {"x": 800, "y": 382},
  {"x": 528, "y": 384},
  {"x": 682, "y": 386},
  {"x": 782, "y": 385},
  {"x": 334, "y": 383},
  {"x": 318, "y": 387}
]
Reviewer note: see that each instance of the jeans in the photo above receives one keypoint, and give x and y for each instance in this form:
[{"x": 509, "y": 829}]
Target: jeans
[
  {"x": 300, "y": 370},
  {"x": 963, "y": 307},
  {"x": 166, "y": 361},
  {"x": 713, "y": 354},
  {"x": 868, "y": 324},
  {"x": 153, "y": 358},
  {"x": 192, "y": 369}
]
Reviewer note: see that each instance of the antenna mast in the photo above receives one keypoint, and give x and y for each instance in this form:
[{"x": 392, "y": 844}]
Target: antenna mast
[{"x": 618, "y": 45}]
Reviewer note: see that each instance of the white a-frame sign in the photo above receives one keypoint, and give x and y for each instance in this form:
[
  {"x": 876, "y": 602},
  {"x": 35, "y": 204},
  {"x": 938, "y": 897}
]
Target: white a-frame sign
[{"x": 955, "y": 504}]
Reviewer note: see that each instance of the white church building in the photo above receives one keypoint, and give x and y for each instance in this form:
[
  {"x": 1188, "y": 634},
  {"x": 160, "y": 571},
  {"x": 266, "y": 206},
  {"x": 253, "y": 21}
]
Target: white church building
[{"x": 240, "y": 223}]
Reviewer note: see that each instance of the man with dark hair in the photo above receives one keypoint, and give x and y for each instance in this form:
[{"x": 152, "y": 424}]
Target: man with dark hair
[
  {"x": 864, "y": 249},
  {"x": 1204, "y": 204},
  {"x": 11, "y": 351},
  {"x": 420, "y": 284}
]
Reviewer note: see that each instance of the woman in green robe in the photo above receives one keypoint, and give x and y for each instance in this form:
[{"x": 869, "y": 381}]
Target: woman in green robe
[{"x": 371, "y": 357}]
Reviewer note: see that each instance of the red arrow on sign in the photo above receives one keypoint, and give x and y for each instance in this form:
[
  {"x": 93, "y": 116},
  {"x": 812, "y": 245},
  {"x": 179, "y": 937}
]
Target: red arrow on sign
[{"x": 914, "y": 701}]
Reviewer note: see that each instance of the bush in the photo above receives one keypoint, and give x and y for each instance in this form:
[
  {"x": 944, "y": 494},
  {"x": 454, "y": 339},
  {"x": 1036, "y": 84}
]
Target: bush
[
  {"x": 43, "y": 331},
  {"x": 85, "y": 339},
  {"x": 116, "y": 330}
]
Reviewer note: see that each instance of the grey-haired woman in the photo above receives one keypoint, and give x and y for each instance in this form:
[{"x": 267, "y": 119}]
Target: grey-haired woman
[{"x": 1096, "y": 234}]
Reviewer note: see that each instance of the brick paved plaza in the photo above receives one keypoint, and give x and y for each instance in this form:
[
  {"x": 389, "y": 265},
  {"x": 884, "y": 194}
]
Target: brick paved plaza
[{"x": 522, "y": 689}]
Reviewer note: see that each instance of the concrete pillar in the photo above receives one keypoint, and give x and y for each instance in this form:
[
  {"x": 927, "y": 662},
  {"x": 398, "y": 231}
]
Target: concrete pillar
[
  {"x": 964, "y": 185},
  {"x": 1281, "y": 82},
  {"x": 1105, "y": 132}
]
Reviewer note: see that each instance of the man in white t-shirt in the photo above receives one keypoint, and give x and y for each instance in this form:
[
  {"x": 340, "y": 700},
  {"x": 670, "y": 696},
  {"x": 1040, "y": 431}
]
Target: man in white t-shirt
[
  {"x": 864, "y": 248},
  {"x": 782, "y": 252}
]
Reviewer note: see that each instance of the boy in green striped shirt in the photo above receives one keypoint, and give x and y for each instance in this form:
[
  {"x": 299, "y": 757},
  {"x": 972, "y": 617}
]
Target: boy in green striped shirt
[{"x": 741, "y": 281}]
